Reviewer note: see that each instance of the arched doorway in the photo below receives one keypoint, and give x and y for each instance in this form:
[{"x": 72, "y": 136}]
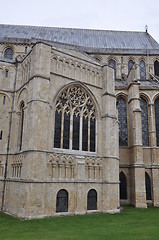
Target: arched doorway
[
  {"x": 92, "y": 200},
  {"x": 62, "y": 201}
]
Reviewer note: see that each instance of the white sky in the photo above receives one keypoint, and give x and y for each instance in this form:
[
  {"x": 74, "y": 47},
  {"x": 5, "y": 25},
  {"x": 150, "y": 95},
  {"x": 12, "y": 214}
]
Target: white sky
[{"x": 124, "y": 15}]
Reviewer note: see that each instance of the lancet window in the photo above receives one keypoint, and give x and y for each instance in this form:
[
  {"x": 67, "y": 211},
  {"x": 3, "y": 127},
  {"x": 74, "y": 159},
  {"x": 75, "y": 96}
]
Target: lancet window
[
  {"x": 112, "y": 64},
  {"x": 130, "y": 65},
  {"x": 142, "y": 70},
  {"x": 144, "y": 120},
  {"x": 21, "y": 125},
  {"x": 156, "y": 68},
  {"x": 122, "y": 117},
  {"x": 75, "y": 120},
  {"x": 157, "y": 120}
]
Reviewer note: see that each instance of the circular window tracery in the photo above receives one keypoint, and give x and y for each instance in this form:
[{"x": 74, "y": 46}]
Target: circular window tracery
[{"x": 75, "y": 120}]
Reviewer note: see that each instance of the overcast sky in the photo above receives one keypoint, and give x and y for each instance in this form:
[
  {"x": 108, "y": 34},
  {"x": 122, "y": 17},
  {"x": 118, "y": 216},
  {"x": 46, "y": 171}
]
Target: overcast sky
[{"x": 124, "y": 15}]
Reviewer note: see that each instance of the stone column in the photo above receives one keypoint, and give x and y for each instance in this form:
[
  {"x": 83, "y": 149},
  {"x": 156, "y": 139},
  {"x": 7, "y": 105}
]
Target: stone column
[
  {"x": 110, "y": 143},
  {"x": 137, "y": 170},
  {"x": 154, "y": 158}
]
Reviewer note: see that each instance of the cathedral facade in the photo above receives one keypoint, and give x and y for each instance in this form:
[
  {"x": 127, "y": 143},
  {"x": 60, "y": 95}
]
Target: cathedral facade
[{"x": 79, "y": 120}]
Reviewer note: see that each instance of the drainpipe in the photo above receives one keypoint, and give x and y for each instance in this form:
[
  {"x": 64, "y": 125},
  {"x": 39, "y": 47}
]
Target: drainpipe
[{"x": 9, "y": 136}]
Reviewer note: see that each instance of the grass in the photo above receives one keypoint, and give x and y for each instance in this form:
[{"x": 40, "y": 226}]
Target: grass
[{"x": 131, "y": 224}]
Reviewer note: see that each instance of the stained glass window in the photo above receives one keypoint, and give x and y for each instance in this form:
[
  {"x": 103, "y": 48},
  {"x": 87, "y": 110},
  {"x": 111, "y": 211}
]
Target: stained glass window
[
  {"x": 144, "y": 120},
  {"x": 142, "y": 70},
  {"x": 57, "y": 138},
  {"x": 76, "y": 129},
  {"x": 66, "y": 132},
  {"x": 122, "y": 118},
  {"x": 112, "y": 64},
  {"x": 75, "y": 120},
  {"x": 157, "y": 120},
  {"x": 92, "y": 134},
  {"x": 85, "y": 134},
  {"x": 156, "y": 68},
  {"x": 130, "y": 65}
]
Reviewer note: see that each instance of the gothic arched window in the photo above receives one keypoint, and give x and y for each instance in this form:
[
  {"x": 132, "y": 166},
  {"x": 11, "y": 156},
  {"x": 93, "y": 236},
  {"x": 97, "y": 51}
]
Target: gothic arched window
[
  {"x": 156, "y": 68},
  {"x": 142, "y": 70},
  {"x": 21, "y": 125},
  {"x": 123, "y": 186},
  {"x": 144, "y": 120},
  {"x": 8, "y": 53},
  {"x": 92, "y": 200},
  {"x": 148, "y": 186},
  {"x": 157, "y": 120},
  {"x": 112, "y": 64},
  {"x": 75, "y": 120},
  {"x": 122, "y": 118},
  {"x": 62, "y": 201},
  {"x": 130, "y": 65}
]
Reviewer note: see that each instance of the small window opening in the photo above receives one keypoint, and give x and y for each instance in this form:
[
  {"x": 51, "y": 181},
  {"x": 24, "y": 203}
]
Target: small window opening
[
  {"x": 4, "y": 100},
  {"x": 7, "y": 73},
  {"x": 8, "y": 53},
  {"x": 1, "y": 133},
  {"x": 26, "y": 50}
]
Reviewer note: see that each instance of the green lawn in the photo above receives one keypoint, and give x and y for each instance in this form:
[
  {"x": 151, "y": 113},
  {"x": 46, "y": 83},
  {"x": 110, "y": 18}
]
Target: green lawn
[{"x": 131, "y": 224}]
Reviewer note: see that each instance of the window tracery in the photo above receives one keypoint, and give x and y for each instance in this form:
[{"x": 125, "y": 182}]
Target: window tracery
[{"x": 75, "y": 120}]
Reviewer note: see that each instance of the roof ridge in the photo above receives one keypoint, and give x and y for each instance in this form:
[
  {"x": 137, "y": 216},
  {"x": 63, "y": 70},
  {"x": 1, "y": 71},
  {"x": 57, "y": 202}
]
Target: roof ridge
[{"x": 70, "y": 28}]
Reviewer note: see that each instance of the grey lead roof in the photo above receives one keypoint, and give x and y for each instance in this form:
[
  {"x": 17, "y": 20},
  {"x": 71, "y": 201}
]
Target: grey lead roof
[{"x": 86, "y": 39}]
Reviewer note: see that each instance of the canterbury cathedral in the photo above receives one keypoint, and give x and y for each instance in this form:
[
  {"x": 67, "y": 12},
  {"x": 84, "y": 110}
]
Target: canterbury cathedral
[{"x": 79, "y": 120}]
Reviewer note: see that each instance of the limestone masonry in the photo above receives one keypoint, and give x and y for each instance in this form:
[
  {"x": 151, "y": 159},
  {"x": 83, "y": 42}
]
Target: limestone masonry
[{"x": 79, "y": 120}]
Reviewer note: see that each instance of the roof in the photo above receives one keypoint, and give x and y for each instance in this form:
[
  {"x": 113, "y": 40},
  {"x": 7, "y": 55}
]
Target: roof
[{"x": 88, "y": 40}]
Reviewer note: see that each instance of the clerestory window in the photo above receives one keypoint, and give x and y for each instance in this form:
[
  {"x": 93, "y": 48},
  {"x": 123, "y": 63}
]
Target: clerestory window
[
  {"x": 130, "y": 65},
  {"x": 112, "y": 64},
  {"x": 8, "y": 53},
  {"x": 142, "y": 70},
  {"x": 75, "y": 120}
]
